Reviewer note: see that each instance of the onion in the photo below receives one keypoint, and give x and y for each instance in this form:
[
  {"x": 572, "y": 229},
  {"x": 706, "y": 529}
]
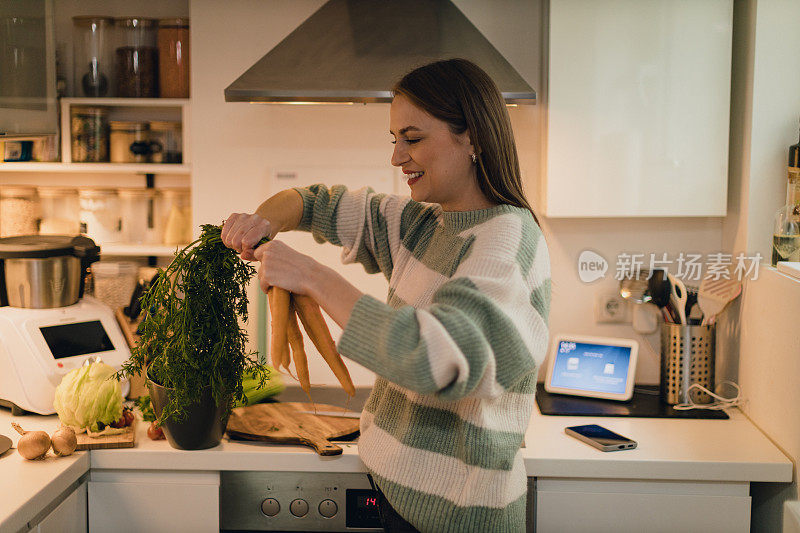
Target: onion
[
  {"x": 64, "y": 441},
  {"x": 32, "y": 444}
]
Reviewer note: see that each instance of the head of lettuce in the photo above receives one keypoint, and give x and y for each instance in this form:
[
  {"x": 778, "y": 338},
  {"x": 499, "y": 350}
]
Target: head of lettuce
[{"x": 89, "y": 398}]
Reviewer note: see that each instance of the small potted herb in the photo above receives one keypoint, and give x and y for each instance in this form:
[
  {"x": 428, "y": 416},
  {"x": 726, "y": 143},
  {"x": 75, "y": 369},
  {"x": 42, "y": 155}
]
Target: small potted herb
[{"x": 192, "y": 344}]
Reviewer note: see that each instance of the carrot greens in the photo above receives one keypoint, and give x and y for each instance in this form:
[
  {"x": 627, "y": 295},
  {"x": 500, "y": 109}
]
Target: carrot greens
[{"x": 191, "y": 337}]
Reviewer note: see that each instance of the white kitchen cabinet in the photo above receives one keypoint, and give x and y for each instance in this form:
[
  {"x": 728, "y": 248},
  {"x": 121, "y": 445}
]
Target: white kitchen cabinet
[
  {"x": 69, "y": 516},
  {"x": 154, "y": 501},
  {"x": 638, "y": 104},
  {"x": 595, "y": 506}
]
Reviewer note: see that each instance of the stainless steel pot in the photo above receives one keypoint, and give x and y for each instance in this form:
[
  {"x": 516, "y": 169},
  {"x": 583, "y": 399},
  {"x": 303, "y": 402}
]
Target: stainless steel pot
[
  {"x": 44, "y": 271},
  {"x": 43, "y": 283}
]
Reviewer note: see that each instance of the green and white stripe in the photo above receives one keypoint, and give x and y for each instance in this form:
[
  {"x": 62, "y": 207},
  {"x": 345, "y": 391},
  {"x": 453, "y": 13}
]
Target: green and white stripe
[{"x": 456, "y": 350}]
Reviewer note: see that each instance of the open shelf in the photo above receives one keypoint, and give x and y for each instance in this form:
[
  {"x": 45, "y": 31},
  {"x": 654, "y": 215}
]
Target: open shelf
[
  {"x": 128, "y": 102},
  {"x": 97, "y": 168},
  {"x": 152, "y": 250}
]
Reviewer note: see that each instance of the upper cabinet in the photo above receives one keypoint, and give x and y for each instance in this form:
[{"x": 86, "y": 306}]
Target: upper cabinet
[
  {"x": 27, "y": 69},
  {"x": 638, "y": 105}
]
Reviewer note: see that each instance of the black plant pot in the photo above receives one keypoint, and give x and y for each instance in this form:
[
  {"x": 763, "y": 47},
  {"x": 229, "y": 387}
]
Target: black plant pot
[{"x": 203, "y": 426}]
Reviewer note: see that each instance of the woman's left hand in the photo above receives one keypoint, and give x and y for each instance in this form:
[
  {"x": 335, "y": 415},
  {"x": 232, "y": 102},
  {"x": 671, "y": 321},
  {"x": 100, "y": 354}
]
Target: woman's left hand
[{"x": 285, "y": 267}]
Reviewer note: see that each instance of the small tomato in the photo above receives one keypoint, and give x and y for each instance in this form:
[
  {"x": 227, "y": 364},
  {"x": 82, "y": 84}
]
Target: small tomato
[{"x": 155, "y": 432}]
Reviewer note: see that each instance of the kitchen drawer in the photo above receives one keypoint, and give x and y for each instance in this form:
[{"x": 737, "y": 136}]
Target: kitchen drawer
[
  {"x": 69, "y": 516},
  {"x": 595, "y": 506},
  {"x": 166, "y": 502}
]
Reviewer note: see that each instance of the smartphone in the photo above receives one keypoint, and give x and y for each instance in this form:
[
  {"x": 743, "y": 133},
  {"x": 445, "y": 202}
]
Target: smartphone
[{"x": 601, "y": 438}]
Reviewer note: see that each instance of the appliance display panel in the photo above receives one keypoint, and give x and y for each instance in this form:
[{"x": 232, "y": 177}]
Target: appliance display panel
[
  {"x": 362, "y": 508},
  {"x": 591, "y": 367},
  {"x": 80, "y": 338}
]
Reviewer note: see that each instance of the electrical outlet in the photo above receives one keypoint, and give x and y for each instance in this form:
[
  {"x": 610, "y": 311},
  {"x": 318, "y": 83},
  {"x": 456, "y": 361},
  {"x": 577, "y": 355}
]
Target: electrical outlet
[{"x": 610, "y": 308}]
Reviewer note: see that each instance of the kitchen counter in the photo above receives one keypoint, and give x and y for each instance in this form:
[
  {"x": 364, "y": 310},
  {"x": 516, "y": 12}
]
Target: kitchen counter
[
  {"x": 701, "y": 450},
  {"x": 29, "y": 487}
]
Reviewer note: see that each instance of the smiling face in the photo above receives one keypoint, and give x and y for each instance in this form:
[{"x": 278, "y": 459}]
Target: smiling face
[{"x": 436, "y": 162}]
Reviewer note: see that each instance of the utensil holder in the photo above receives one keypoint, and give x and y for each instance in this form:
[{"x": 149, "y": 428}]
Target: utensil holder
[{"x": 687, "y": 357}]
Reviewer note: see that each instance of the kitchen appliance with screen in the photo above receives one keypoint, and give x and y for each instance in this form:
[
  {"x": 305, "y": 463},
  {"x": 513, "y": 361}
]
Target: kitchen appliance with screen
[
  {"x": 47, "y": 327},
  {"x": 597, "y": 367}
]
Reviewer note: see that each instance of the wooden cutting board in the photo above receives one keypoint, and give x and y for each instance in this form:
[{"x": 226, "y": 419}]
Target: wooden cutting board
[
  {"x": 123, "y": 440},
  {"x": 281, "y": 422}
]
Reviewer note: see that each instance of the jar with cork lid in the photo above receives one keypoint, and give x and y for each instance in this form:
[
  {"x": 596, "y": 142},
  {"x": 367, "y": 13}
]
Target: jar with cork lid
[
  {"x": 93, "y": 55},
  {"x": 137, "y": 57},
  {"x": 129, "y": 142},
  {"x": 166, "y": 143},
  {"x": 18, "y": 211},
  {"x": 173, "y": 57},
  {"x": 60, "y": 211}
]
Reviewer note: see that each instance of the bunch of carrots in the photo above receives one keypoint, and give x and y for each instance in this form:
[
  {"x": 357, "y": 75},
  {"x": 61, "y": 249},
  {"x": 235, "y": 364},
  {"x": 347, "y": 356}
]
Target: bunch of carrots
[{"x": 285, "y": 308}]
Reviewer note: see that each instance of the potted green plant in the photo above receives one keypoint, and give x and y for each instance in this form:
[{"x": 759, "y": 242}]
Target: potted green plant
[{"x": 192, "y": 344}]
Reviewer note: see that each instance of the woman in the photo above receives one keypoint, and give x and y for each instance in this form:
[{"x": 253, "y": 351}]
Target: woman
[{"x": 457, "y": 346}]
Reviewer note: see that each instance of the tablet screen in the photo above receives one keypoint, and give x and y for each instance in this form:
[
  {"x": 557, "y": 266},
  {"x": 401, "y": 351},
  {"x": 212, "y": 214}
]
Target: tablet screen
[{"x": 590, "y": 367}]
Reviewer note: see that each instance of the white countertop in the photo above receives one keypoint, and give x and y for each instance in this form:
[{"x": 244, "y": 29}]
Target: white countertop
[
  {"x": 27, "y": 487},
  {"x": 668, "y": 449}
]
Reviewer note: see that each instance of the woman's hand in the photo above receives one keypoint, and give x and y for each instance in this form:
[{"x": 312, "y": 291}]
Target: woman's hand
[
  {"x": 288, "y": 269},
  {"x": 284, "y": 267},
  {"x": 242, "y": 231}
]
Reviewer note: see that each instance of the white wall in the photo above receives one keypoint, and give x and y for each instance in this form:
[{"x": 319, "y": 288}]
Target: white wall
[
  {"x": 237, "y": 146},
  {"x": 764, "y": 123},
  {"x": 769, "y": 369}
]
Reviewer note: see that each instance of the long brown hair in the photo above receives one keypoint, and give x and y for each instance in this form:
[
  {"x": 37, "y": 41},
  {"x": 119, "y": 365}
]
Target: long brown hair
[{"x": 460, "y": 93}]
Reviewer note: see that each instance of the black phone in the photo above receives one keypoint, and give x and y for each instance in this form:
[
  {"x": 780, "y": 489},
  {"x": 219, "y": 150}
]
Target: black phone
[{"x": 601, "y": 438}]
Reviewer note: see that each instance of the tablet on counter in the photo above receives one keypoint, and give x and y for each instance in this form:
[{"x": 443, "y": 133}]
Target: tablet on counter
[{"x": 597, "y": 367}]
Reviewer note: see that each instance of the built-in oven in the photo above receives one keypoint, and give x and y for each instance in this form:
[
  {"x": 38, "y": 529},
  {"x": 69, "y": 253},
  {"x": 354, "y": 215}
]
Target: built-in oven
[{"x": 298, "y": 501}]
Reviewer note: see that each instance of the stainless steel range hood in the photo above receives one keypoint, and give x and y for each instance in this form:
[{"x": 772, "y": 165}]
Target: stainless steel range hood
[{"x": 355, "y": 50}]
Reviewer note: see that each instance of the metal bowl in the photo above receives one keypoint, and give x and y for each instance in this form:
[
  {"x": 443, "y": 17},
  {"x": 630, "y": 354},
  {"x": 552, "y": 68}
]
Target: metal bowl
[{"x": 43, "y": 283}]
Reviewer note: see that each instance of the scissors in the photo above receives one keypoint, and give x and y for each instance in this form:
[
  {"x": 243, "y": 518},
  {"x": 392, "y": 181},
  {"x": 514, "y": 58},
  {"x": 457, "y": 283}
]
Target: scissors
[{"x": 677, "y": 296}]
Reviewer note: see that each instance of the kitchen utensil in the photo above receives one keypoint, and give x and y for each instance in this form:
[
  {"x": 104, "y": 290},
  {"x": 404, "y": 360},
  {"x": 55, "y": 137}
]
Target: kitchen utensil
[
  {"x": 658, "y": 287},
  {"x": 284, "y": 422},
  {"x": 5, "y": 444},
  {"x": 715, "y": 294},
  {"x": 107, "y": 442},
  {"x": 687, "y": 357},
  {"x": 337, "y": 414},
  {"x": 691, "y": 304},
  {"x": 678, "y": 297}
]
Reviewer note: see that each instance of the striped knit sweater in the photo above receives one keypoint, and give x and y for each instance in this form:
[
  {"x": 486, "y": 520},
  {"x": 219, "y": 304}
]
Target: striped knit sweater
[{"x": 455, "y": 350}]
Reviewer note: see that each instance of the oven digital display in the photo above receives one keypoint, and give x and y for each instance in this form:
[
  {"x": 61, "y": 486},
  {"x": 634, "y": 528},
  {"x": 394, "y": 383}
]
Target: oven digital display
[
  {"x": 80, "y": 338},
  {"x": 362, "y": 508}
]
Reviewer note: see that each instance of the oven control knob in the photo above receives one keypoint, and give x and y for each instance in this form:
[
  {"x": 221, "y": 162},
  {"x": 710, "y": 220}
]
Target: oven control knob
[
  {"x": 299, "y": 507},
  {"x": 270, "y": 507},
  {"x": 328, "y": 508}
]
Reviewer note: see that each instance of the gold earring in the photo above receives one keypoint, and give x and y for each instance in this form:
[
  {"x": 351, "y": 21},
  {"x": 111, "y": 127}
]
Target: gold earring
[{"x": 474, "y": 158}]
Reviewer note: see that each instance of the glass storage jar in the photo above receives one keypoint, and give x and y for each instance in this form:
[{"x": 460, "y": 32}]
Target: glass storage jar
[
  {"x": 99, "y": 213},
  {"x": 140, "y": 222},
  {"x": 176, "y": 216},
  {"x": 129, "y": 142},
  {"x": 173, "y": 58},
  {"x": 93, "y": 56},
  {"x": 18, "y": 211},
  {"x": 137, "y": 57},
  {"x": 166, "y": 142},
  {"x": 89, "y": 134},
  {"x": 60, "y": 211},
  {"x": 114, "y": 282},
  {"x": 23, "y": 61}
]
